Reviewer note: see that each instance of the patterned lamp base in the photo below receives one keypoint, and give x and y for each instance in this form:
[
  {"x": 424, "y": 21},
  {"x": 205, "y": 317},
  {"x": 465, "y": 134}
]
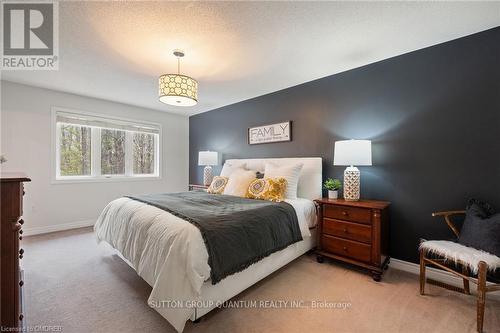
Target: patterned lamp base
[
  {"x": 208, "y": 175},
  {"x": 352, "y": 178}
]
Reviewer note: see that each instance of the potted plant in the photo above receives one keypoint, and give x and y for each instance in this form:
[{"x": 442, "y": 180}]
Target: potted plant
[{"x": 333, "y": 186}]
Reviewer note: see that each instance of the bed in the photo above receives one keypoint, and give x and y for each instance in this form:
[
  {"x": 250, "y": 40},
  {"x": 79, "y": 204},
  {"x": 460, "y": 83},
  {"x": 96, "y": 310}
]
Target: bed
[{"x": 169, "y": 253}]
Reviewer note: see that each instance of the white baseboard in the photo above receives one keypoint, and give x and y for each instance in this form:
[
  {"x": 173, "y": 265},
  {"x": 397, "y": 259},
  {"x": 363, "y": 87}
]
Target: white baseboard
[
  {"x": 30, "y": 231},
  {"x": 435, "y": 274},
  {"x": 431, "y": 272}
]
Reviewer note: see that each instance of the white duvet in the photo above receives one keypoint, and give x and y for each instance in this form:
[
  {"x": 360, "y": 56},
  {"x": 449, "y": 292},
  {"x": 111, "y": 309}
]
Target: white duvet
[{"x": 167, "y": 251}]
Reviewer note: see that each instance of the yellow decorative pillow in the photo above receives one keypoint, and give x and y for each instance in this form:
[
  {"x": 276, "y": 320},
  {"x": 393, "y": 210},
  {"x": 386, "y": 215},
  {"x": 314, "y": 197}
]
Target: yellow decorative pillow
[
  {"x": 218, "y": 184},
  {"x": 272, "y": 189}
]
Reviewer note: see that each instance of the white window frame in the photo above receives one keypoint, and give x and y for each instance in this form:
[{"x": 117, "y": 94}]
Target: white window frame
[{"x": 95, "y": 153}]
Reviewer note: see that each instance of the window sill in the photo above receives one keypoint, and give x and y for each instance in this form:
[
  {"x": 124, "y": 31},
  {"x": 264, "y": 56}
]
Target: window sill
[{"x": 78, "y": 180}]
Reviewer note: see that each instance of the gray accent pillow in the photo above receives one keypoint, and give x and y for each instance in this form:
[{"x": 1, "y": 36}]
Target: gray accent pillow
[{"x": 481, "y": 228}]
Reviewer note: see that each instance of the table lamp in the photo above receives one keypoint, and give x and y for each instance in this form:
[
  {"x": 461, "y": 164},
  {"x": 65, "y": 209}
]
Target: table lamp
[
  {"x": 351, "y": 153},
  {"x": 208, "y": 158}
]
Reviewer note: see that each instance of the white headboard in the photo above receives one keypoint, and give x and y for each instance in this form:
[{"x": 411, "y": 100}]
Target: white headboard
[{"x": 311, "y": 176}]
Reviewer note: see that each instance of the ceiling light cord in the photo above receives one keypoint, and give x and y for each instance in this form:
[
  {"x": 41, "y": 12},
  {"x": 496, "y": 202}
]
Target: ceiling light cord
[{"x": 179, "y": 54}]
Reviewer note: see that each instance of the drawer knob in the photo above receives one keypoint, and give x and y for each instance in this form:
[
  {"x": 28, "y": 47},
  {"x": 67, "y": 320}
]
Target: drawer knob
[
  {"x": 345, "y": 230},
  {"x": 345, "y": 213},
  {"x": 345, "y": 248},
  {"x": 21, "y": 283},
  {"x": 21, "y": 221}
]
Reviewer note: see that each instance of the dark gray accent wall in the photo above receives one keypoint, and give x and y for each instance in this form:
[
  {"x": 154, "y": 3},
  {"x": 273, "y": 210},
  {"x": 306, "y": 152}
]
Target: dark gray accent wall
[{"x": 433, "y": 116}]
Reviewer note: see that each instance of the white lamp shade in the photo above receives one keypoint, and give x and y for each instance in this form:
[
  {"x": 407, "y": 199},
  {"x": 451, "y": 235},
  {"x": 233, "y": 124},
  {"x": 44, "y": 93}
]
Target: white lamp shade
[
  {"x": 353, "y": 152},
  {"x": 178, "y": 90},
  {"x": 208, "y": 158}
]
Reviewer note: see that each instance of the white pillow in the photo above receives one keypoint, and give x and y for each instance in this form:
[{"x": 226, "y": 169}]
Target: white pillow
[
  {"x": 229, "y": 167},
  {"x": 238, "y": 182},
  {"x": 290, "y": 172}
]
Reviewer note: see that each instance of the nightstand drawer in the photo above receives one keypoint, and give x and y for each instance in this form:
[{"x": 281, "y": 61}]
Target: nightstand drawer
[
  {"x": 355, "y": 214},
  {"x": 349, "y": 230},
  {"x": 196, "y": 187},
  {"x": 347, "y": 248}
]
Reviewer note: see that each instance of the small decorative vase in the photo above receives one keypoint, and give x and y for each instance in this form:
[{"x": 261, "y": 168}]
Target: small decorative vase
[{"x": 333, "y": 194}]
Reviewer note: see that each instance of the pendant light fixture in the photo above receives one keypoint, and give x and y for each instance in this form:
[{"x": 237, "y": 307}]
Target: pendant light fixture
[{"x": 177, "y": 89}]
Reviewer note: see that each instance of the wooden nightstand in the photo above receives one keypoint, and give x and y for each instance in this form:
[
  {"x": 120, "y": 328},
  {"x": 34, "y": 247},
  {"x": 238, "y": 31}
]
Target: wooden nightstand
[
  {"x": 356, "y": 232},
  {"x": 197, "y": 187}
]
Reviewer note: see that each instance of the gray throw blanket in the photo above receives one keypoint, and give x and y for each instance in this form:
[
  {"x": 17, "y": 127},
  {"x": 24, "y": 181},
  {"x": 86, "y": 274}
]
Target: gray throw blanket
[{"x": 237, "y": 231}]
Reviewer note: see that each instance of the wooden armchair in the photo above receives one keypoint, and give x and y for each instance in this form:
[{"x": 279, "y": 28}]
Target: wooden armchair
[{"x": 469, "y": 261}]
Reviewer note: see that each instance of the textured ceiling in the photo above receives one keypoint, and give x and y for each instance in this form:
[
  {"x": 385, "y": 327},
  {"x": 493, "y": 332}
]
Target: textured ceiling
[{"x": 238, "y": 50}]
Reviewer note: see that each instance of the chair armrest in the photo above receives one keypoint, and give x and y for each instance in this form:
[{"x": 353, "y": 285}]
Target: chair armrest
[
  {"x": 449, "y": 213},
  {"x": 450, "y": 224}
]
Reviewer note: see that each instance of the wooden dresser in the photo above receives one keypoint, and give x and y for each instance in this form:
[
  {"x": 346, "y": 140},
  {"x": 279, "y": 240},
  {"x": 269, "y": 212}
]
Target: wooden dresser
[
  {"x": 12, "y": 191},
  {"x": 356, "y": 232}
]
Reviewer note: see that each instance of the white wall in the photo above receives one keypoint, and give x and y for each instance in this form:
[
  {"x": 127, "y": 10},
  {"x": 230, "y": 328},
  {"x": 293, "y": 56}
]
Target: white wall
[{"x": 26, "y": 143}]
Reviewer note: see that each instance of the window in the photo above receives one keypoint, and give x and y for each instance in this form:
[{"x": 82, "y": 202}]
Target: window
[
  {"x": 90, "y": 147},
  {"x": 144, "y": 152},
  {"x": 112, "y": 152},
  {"x": 75, "y": 150}
]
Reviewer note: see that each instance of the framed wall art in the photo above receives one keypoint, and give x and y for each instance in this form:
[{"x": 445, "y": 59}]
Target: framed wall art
[{"x": 279, "y": 132}]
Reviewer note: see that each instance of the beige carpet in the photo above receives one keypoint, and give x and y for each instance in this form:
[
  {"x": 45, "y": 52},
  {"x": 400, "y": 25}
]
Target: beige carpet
[{"x": 83, "y": 287}]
